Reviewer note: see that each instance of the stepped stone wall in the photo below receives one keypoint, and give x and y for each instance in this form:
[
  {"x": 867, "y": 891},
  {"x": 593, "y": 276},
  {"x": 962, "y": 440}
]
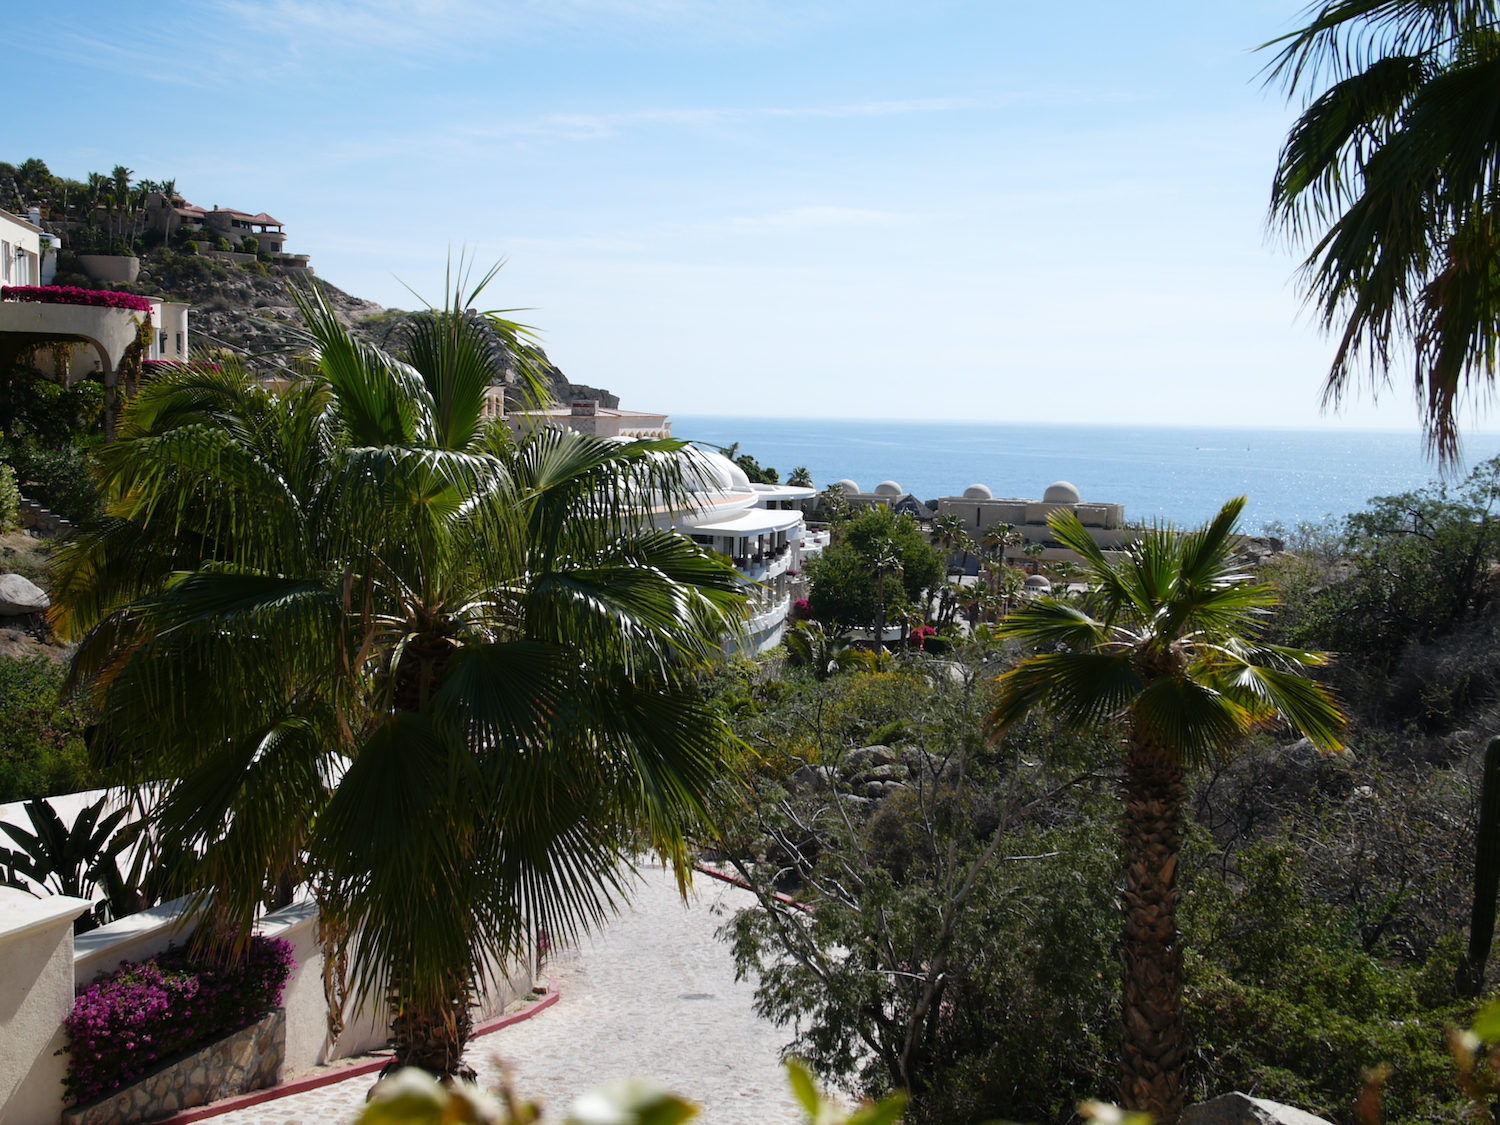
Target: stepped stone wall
[{"x": 250, "y": 1059}]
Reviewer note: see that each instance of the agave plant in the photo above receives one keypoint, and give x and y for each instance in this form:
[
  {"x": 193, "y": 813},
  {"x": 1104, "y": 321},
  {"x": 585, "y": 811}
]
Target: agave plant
[{"x": 371, "y": 643}]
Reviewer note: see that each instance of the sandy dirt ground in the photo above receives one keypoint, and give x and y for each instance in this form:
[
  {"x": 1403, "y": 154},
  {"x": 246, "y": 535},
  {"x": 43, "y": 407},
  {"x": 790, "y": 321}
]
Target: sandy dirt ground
[{"x": 652, "y": 996}]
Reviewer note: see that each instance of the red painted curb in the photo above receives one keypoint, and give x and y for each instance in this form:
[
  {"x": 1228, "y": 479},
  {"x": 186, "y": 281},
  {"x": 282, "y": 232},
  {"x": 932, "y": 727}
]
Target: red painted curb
[
  {"x": 314, "y": 1081},
  {"x": 736, "y": 881}
]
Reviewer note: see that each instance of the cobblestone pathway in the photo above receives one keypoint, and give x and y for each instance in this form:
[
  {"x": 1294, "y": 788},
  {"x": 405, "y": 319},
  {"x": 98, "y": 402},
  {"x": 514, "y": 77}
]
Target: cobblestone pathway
[{"x": 654, "y": 995}]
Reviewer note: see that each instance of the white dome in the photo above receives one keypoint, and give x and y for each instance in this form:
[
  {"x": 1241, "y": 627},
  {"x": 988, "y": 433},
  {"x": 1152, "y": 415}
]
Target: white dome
[
  {"x": 978, "y": 492},
  {"x": 714, "y": 472},
  {"x": 889, "y": 488},
  {"x": 1061, "y": 492},
  {"x": 1038, "y": 582},
  {"x": 846, "y": 486}
]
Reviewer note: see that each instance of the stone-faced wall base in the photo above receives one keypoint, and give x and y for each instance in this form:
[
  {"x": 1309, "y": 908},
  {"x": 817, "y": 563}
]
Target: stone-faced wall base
[{"x": 250, "y": 1059}]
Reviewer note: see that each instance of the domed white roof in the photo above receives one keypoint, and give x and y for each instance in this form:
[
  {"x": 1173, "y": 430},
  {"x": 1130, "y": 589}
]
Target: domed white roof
[
  {"x": 978, "y": 492},
  {"x": 889, "y": 488},
  {"x": 714, "y": 472},
  {"x": 847, "y": 486},
  {"x": 1038, "y": 582},
  {"x": 1061, "y": 492}
]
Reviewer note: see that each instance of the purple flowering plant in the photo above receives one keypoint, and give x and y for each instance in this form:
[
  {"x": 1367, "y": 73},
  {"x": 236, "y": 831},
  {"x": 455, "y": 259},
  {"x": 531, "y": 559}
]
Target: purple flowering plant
[
  {"x": 72, "y": 295},
  {"x": 126, "y": 1022}
]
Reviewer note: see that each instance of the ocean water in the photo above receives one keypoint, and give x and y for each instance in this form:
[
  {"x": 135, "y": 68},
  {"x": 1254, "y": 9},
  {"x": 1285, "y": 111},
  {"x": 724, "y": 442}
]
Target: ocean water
[{"x": 1169, "y": 472}]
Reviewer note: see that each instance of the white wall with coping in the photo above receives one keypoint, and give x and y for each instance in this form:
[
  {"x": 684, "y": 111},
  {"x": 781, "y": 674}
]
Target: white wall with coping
[
  {"x": 36, "y": 995},
  {"x": 132, "y": 938}
]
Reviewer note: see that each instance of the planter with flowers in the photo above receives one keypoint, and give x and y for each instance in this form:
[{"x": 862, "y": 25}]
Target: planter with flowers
[{"x": 176, "y": 1031}]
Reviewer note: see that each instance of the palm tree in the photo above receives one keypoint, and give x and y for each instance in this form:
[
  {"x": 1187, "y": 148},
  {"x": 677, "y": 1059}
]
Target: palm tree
[
  {"x": 1001, "y": 537},
  {"x": 948, "y": 532},
  {"x": 885, "y": 559},
  {"x": 372, "y": 644},
  {"x": 800, "y": 477},
  {"x": 1166, "y": 645},
  {"x": 1391, "y": 174}
]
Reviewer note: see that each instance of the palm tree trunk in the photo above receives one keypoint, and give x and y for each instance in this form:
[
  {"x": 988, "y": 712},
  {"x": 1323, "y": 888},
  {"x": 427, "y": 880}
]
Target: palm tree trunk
[
  {"x": 432, "y": 1036},
  {"x": 1153, "y": 1048}
]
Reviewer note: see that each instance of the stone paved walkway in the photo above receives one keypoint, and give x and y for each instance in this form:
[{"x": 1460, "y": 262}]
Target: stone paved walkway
[{"x": 654, "y": 996}]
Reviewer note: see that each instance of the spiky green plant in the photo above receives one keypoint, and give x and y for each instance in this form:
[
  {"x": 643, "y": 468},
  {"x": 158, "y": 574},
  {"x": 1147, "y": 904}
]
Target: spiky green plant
[
  {"x": 370, "y": 643},
  {"x": 1166, "y": 644},
  {"x": 1391, "y": 174}
]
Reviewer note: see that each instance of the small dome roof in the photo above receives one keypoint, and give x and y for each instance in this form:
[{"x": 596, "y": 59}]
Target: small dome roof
[
  {"x": 978, "y": 492},
  {"x": 1038, "y": 582},
  {"x": 847, "y": 486},
  {"x": 889, "y": 488},
  {"x": 1061, "y": 492},
  {"x": 737, "y": 475}
]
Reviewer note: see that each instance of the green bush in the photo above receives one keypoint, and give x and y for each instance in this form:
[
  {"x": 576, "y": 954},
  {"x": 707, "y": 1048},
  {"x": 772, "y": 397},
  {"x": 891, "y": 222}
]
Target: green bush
[
  {"x": 222, "y": 244},
  {"x": 41, "y": 741},
  {"x": 10, "y": 498}
]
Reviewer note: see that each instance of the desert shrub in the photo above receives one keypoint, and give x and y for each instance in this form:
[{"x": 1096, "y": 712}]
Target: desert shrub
[
  {"x": 1284, "y": 999},
  {"x": 60, "y": 478},
  {"x": 125, "y": 1023},
  {"x": 41, "y": 741},
  {"x": 10, "y": 498}
]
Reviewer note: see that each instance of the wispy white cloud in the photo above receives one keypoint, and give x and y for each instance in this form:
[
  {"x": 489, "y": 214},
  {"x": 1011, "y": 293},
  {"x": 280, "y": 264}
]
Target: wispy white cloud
[
  {"x": 448, "y": 27},
  {"x": 808, "y": 218}
]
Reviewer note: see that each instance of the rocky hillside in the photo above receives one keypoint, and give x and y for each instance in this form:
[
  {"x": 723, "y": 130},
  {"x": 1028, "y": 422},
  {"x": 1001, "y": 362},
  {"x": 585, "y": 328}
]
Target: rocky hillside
[{"x": 246, "y": 308}]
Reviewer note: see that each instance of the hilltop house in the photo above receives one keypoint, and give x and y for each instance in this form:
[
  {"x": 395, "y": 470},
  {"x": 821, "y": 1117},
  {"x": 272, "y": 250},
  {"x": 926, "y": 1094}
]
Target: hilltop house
[{"x": 171, "y": 215}]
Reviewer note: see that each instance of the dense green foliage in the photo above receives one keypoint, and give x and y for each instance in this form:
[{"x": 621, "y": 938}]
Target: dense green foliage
[
  {"x": 41, "y": 739},
  {"x": 1405, "y": 592},
  {"x": 1324, "y": 901},
  {"x": 847, "y": 582}
]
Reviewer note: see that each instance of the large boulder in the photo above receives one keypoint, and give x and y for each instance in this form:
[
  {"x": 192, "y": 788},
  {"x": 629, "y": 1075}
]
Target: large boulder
[
  {"x": 1242, "y": 1109},
  {"x": 18, "y": 596}
]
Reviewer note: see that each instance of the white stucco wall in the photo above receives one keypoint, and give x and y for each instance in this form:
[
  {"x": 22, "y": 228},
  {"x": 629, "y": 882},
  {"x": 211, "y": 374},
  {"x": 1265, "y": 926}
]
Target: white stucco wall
[{"x": 36, "y": 995}]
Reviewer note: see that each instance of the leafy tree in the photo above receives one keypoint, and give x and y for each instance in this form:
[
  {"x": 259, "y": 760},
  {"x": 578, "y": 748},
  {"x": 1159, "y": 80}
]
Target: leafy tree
[
  {"x": 366, "y": 640},
  {"x": 1391, "y": 174},
  {"x": 41, "y": 740},
  {"x": 800, "y": 477},
  {"x": 1169, "y": 640},
  {"x": 1422, "y": 566},
  {"x": 755, "y": 472},
  {"x": 848, "y": 582}
]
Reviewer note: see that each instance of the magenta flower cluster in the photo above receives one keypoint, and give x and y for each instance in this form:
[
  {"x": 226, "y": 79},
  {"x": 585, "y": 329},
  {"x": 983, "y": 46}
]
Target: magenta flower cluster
[
  {"x": 72, "y": 295},
  {"x": 125, "y": 1023}
]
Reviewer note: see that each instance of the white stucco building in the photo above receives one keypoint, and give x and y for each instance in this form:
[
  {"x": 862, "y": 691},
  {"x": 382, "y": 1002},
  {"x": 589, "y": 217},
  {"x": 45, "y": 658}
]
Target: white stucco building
[
  {"x": 21, "y": 249},
  {"x": 760, "y": 529}
]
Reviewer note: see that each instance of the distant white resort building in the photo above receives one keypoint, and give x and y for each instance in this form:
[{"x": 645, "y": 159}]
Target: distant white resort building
[
  {"x": 981, "y": 510},
  {"x": 760, "y": 529},
  {"x": 887, "y": 494},
  {"x": 584, "y": 416}
]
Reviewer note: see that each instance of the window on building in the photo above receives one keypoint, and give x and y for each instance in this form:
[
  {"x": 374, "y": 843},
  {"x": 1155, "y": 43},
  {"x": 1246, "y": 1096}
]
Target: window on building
[{"x": 6, "y": 254}]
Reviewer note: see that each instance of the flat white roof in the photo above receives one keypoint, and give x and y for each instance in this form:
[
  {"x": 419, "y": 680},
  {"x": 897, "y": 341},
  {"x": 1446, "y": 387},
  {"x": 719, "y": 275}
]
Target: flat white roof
[{"x": 752, "y": 521}]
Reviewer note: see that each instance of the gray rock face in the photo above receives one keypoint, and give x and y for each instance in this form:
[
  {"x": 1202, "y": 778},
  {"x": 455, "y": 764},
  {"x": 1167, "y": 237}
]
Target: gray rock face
[
  {"x": 1241, "y": 1109},
  {"x": 18, "y": 595}
]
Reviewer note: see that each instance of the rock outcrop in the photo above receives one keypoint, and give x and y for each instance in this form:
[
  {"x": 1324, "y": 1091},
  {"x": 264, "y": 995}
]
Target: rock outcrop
[
  {"x": 20, "y": 595},
  {"x": 1242, "y": 1109}
]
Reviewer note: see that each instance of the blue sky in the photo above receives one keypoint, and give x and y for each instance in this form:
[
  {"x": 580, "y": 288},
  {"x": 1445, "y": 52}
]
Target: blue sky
[{"x": 988, "y": 211}]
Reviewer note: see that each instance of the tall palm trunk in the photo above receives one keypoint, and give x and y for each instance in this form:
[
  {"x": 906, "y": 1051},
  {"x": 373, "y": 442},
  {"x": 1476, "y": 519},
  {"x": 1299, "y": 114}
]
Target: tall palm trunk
[
  {"x": 1154, "y": 1045},
  {"x": 431, "y": 1024}
]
